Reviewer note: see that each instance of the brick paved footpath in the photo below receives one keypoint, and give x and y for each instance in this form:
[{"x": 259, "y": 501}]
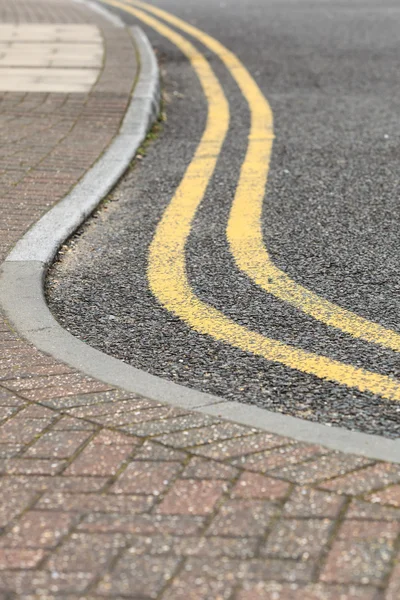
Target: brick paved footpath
[{"x": 104, "y": 494}]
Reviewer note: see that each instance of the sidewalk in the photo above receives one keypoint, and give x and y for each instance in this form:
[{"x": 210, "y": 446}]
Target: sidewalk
[{"x": 105, "y": 494}]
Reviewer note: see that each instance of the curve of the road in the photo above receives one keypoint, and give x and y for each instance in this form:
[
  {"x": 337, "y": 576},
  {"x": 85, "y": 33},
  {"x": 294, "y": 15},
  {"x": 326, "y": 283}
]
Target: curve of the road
[{"x": 167, "y": 271}]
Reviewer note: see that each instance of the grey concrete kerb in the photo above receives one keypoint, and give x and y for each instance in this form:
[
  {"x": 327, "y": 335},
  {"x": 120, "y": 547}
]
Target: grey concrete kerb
[{"x": 23, "y": 302}]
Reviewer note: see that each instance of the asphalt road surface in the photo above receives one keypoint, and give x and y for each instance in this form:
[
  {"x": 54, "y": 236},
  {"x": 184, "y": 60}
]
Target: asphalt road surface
[{"x": 330, "y": 214}]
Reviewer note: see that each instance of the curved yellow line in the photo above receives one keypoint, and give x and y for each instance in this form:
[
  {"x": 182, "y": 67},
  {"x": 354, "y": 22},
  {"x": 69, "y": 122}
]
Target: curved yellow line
[
  {"x": 167, "y": 262},
  {"x": 244, "y": 229}
]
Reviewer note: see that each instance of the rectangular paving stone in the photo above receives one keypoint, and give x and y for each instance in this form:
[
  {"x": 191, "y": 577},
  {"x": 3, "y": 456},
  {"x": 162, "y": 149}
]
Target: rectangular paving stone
[
  {"x": 42, "y": 583},
  {"x": 144, "y": 524},
  {"x": 393, "y": 588},
  {"x": 250, "y": 570},
  {"x": 171, "y": 425},
  {"x": 58, "y": 483},
  {"x": 192, "y": 587},
  {"x": 92, "y": 502},
  {"x": 21, "y": 429},
  {"x": 279, "y": 457},
  {"x": 89, "y": 399},
  {"x": 243, "y": 548},
  {"x": 262, "y": 591},
  {"x": 71, "y": 424},
  {"x": 388, "y": 496},
  {"x": 241, "y": 446},
  {"x": 99, "y": 459},
  {"x": 158, "y": 452},
  {"x": 15, "y": 498},
  {"x": 200, "y": 468},
  {"x": 31, "y": 466},
  {"x": 322, "y": 468},
  {"x": 243, "y": 518},
  {"x": 192, "y": 497},
  {"x": 365, "y": 480},
  {"x": 306, "y": 503},
  {"x": 124, "y": 412},
  {"x": 362, "y": 553},
  {"x": 38, "y": 529},
  {"x": 62, "y": 444},
  {"x": 204, "y": 435},
  {"x": 86, "y": 552},
  {"x": 146, "y": 478},
  {"x": 19, "y": 559},
  {"x": 134, "y": 574},
  {"x": 41, "y": 394},
  {"x": 253, "y": 485},
  {"x": 298, "y": 539},
  {"x": 374, "y": 512}
]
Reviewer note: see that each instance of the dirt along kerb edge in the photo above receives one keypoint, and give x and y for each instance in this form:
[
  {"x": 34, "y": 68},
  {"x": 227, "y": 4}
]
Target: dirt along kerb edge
[{"x": 23, "y": 301}]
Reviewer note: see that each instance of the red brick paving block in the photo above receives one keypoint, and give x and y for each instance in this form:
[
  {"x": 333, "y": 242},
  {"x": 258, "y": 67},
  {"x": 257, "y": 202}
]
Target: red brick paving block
[
  {"x": 60, "y": 483},
  {"x": 142, "y": 524},
  {"x": 279, "y": 457},
  {"x": 393, "y": 588},
  {"x": 100, "y": 459},
  {"x": 7, "y": 411},
  {"x": 374, "y": 512},
  {"x": 190, "y": 587},
  {"x": 390, "y": 495},
  {"x": 70, "y": 388},
  {"x": 192, "y": 496},
  {"x": 7, "y": 398},
  {"x": 142, "y": 477},
  {"x": 15, "y": 497},
  {"x": 86, "y": 552},
  {"x": 9, "y": 450},
  {"x": 200, "y": 468},
  {"x": 38, "y": 412},
  {"x": 194, "y": 546},
  {"x": 353, "y": 529},
  {"x": 111, "y": 438},
  {"x": 258, "y": 570},
  {"x": 324, "y": 467},
  {"x": 276, "y": 591},
  {"x": 32, "y": 466},
  {"x": 71, "y": 424},
  {"x": 130, "y": 420},
  {"x": 85, "y": 503},
  {"x": 252, "y": 485},
  {"x": 124, "y": 412},
  {"x": 298, "y": 539},
  {"x": 241, "y": 446},
  {"x": 305, "y": 502},
  {"x": 171, "y": 425},
  {"x": 52, "y": 381},
  {"x": 26, "y": 372},
  {"x": 83, "y": 400},
  {"x": 362, "y": 553},
  {"x": 38, "y": 529},
  {"x": 154, "y": 451},
  {"x": 204, "y": 435},
  {"x": 21, "y": 429},
  {"x": 57, "y": 444},
  {"x": 135, "y": 575},
  {"x": 42, "y": 583},
  {"x": 365, "y": 480},
  {"x": 20, "y": 558},
  {"x": 242, "y": 518}
]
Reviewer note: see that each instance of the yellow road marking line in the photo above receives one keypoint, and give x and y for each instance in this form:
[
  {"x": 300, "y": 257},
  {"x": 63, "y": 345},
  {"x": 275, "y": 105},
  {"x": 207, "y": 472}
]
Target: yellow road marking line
[
  {"x": 167, "y": 262},
  {"x": 244, "y": 231}
]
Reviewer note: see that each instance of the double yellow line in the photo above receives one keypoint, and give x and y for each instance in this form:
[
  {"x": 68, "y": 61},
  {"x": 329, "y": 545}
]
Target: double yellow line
[{"x": 167, "y": 261}]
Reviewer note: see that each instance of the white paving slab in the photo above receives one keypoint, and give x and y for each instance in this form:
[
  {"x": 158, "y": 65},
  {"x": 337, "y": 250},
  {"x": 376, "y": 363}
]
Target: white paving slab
[{"x": 49, "y": 58}]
